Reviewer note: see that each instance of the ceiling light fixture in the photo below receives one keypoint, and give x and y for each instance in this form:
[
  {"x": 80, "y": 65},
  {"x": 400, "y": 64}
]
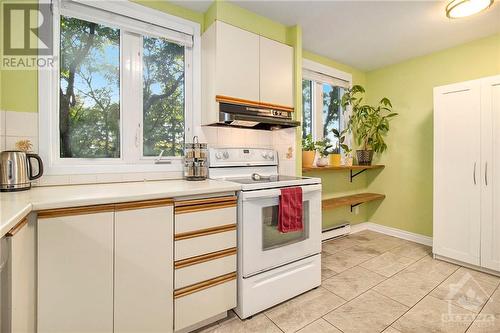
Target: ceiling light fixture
[{"x": 463, "y": 8}]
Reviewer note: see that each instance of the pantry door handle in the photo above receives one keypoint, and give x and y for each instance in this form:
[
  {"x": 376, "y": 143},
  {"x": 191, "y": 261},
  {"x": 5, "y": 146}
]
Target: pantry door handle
[
  {"x": 474, "y": 173},
  {"x": 486, "y": 173}
]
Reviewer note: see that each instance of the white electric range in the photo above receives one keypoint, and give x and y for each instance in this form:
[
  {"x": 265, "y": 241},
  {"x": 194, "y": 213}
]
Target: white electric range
[{"x": 272, "y": 266}]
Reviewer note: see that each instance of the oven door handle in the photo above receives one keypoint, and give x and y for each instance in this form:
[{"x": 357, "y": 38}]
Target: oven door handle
[{"x": 274, "y": 193}]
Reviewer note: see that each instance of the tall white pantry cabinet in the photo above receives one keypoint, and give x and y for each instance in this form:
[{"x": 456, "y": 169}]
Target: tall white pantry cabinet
[{"x": 467, "y": 172}]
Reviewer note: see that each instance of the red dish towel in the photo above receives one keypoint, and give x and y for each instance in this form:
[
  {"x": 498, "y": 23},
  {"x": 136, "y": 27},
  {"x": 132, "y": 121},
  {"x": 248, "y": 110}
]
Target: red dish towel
[{"x": 290, "y": 210}]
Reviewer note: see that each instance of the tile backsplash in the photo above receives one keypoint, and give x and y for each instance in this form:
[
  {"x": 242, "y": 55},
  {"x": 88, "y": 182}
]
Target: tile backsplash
[{"x": 16, "y": 126}]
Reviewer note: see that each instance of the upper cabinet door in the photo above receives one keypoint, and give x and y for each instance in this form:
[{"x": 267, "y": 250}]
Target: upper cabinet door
[
  {"x": 457, "y": 171},
  {"x": 490, "y": 151},
  {"x": 276, "y": 72},
  {"x": 237, "y": 62}
]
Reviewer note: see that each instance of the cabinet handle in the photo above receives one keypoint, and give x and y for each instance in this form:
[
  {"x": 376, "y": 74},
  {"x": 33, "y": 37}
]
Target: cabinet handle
[
  {"x": 474, "y": 174},
  {"x": 486, "y": 173}
]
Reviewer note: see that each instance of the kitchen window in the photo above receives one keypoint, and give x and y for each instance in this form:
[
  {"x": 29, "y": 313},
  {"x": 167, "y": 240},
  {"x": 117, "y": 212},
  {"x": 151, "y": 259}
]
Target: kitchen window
[
  {"x": 322, "y": 91},
  {"x": 122, "y": 91}
]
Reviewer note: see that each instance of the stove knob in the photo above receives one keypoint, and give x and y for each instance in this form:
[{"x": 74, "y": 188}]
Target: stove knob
[
  {"x": 225, "y": 155},
  {"x": 264, "y": 154},
  {"x": 271, "y": 156},
  {"x": 218, "y": 155}
]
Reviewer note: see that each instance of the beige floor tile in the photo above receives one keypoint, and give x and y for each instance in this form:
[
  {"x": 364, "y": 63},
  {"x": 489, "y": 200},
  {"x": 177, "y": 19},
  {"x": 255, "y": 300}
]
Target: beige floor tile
[
  {"x": 412, "y": 250},
  {"x": 488, "y": 320},
  {"x": 319, "y": 326},
  {"x": 304, "y": 309},
  {"x": 384, "y": 243},
  {"x": 336, "y": 245},
  {"x": 326, "y": 273},
  {"x": 352, "y": 282},
  {"x": 361, "y": 252},
  {"x": 387, "y": 264},
  {"x": 434, "y": 315},
  {"x": 467, "y": 288},
  {"x": 370, "y": 312},
  {"x": 258, "y": 324},
  {"x": 414, "y": 282},
  {"x": 365, "y": 235},
  {"x": 391, "y": 329},
  {"x": 341, "y": 261}
]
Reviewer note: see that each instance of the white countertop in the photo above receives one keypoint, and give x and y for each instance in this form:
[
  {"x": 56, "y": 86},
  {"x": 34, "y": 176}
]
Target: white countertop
[{"x": 14, "y": 206}]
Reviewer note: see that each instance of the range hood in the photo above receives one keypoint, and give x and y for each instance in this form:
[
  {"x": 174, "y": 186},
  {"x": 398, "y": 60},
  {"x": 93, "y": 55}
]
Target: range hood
[{"x": 247, "y": 114}]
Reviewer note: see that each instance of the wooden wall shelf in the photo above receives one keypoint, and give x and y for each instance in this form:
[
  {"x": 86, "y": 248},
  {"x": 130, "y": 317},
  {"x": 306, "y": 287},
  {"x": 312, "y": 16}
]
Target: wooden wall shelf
[
  {"x": 351, "y": 200},
  {"x": 359, "y": 168}
]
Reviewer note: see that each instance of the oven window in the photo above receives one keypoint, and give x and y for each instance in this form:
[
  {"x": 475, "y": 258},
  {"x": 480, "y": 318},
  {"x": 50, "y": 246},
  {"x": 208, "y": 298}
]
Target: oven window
[{"x": 272, "y": 237}]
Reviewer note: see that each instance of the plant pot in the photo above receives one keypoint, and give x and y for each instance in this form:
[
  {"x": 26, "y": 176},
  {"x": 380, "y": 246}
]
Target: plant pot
[
  {"x": 308, "y": 158},
  {"x": 348, "y": 160},
  {"x": 322, "y": 161},
  {"x": 335, "y": 159},
  {"x": 364, "y": 157}
]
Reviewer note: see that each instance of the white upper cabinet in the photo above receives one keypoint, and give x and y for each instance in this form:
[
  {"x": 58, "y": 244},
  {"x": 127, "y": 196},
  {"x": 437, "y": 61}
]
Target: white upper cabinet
[
  {"x": 237, "y": 62},
  {"x": 276, "y": 72},
  {"x": 243, "y": 65}
]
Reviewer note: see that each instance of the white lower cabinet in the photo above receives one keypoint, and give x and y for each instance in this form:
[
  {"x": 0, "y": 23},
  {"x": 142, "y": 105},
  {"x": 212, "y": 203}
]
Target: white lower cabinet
[
  {"x": 20, "y": 281},
  {"x": 205, "y": 261},
  {"x": 75, "y": 273},
  {"x": 106, "y": 268},
  {"x": 144, "y": 270}
]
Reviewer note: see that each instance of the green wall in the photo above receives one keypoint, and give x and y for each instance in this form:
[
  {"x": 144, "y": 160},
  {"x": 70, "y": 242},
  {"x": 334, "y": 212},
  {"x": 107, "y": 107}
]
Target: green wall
[
  {"x": 407, "y": 178},
  {"x": 358, "y": 77}
]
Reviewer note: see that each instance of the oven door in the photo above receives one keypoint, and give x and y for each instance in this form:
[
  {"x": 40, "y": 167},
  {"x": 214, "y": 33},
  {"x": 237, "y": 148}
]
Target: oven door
[{"x": 262, "y": 246}]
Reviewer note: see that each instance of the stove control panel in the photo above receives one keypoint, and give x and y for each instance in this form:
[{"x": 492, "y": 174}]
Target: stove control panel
[{"x": 242, "y": 156}]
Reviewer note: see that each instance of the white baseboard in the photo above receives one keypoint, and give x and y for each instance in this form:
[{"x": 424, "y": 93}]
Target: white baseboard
[
  {"x": 341, "y": 231},
  {"x": 413, "y": 237}
]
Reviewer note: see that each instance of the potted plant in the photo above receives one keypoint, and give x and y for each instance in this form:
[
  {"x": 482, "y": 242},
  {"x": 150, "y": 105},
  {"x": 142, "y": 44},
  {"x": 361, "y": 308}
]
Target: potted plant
[
  {"x": 335, "y": 158},
  {"x": 369, "y": 123},
  {"x": 323, "y": 147},
  {"x": 308, "y": 151}
]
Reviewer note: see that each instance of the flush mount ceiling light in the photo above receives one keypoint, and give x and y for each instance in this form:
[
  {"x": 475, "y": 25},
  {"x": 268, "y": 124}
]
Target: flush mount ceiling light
[{"x": 463, "y": 8}]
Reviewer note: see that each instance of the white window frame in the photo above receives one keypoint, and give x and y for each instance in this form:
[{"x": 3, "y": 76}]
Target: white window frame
[
  {"x": 317, "y": 94},
  {"x": 129, "y": 161}
]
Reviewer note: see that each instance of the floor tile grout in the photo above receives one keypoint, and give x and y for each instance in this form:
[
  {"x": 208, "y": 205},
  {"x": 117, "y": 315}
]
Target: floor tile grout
[{"x": 482, "y": 308}]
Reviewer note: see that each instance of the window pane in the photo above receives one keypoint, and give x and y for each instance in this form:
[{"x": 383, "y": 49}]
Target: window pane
[
  {"x": 89, "y": 103},
  {"x": 307, "y": 118},
  {"x": 332, "y": 110},
  {"x": 163, "y": 97}
]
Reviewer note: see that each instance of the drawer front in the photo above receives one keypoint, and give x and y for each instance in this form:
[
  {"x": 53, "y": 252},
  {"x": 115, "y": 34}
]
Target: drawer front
[
  {"x": 195, "y": 307},
  {"x": 195, "y": 273},
  {"x": 194, "y": 221},
  {"x": 196, "y": 246}
]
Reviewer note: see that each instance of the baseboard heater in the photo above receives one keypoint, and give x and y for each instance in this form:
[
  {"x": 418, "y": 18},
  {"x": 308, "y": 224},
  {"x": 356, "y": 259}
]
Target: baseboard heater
[{"x": 337, "y": 231}]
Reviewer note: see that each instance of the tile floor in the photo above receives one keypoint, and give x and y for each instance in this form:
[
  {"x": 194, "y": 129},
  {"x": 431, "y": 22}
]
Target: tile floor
[{"x": 376, "y": 283}]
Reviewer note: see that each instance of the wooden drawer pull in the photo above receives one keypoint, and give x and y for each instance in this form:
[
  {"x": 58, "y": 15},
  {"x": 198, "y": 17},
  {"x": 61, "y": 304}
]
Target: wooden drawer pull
[
  {"x": 17, "y": 227},
  {"x": 60, "y": 212},
  {"x": 204, "y": 285},
  {"x": 205, "y": 232},
  {"x": 194, "y": 202},
  {"x": 202, "y": 207},
  {"x": 204, "y": 258}
]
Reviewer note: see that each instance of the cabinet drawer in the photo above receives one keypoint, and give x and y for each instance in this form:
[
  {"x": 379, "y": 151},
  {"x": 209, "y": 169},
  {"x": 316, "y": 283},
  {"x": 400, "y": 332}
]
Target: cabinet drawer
[
  {"x": 201, "y": 268},
  {"x": 193, "y": 305},
  {"x": 206, "y": 243},
  {"x": 199, "y": 220}
]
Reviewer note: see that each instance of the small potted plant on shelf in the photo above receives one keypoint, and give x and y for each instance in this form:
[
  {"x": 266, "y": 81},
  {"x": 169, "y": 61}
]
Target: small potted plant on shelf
[
  {"x": 308, "y": 151},
  {"x": 369, "y": 124},
  {"x": 324, "y": 149},
  {"x": 335, "y": 159}
]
